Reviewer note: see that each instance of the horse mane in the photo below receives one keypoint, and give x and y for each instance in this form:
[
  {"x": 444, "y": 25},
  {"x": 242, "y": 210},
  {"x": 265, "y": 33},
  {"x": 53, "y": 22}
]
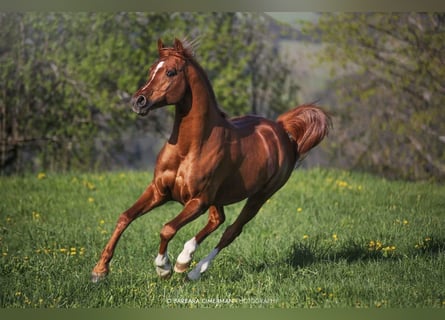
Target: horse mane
[{"x": 187, "y": 52}]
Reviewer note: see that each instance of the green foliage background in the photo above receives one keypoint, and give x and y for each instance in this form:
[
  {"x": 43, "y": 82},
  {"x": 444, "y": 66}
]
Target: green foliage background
[{"x": 388, "y": 86}]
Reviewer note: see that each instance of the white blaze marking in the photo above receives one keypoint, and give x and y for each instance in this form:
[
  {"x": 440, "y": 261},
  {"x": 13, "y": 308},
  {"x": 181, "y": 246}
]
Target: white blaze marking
[
  {"x": 160, "y": 64},
  {"x": 202, "y": 266},
  {"x": 189, "y": 248}
]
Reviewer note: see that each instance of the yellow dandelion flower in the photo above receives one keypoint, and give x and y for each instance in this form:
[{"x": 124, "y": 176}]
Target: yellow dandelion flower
[
  {"x": 335, "y": 237},
  {"x": 405, "y": 222},
  {"x": 41, "y": 176},
  {"x": 299, "y": 209},
  {"x": 378, "y": 245},
  {"x": 101, "y": 222},
  {"x": 305, "y": 236},
  {"x": 90, "y": 199},
  {"x": 63, "y": 250},
  {"x": 89, "y": 185},
  {"x": 341, "y": 183},
  {"x": 35, "y": 215}
]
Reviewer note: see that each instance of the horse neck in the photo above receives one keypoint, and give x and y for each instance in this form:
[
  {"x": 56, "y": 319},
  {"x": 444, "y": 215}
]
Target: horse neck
[{"x": 197, "y": 113}]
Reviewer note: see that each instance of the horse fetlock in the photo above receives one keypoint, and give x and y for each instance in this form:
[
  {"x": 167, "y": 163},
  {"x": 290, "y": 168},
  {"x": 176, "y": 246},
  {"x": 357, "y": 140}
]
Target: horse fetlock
[
  {"x": 98, "y": 276},
  {"x": 202, "y": 266},
  {"x": 163, "y": 266},
  {"x": 99, "y": 272},
  {"x": 186, "y": 256}
]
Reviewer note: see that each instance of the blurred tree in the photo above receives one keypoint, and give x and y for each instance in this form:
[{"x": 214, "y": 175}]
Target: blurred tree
[
  {"x": 67, "y": 78},
  {"x": 390, "y": 90}
]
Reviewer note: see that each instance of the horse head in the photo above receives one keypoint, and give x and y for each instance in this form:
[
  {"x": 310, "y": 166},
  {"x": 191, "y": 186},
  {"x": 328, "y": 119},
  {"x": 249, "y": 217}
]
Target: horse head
[{"x": 167, "y": 83}]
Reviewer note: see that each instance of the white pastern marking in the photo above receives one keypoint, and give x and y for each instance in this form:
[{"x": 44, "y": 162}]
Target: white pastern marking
[
  {"x": 160, "y": 64},
  {"x": 189, "y": 248},
  {"x": 163, "y": 266},
  {"x": 202, "y": 266},
  {"x": 162, "y": 260}
]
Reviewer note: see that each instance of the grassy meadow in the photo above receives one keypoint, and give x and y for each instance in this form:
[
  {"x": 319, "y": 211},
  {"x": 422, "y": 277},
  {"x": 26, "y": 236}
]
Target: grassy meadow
[{"x": 327, "y": 239}]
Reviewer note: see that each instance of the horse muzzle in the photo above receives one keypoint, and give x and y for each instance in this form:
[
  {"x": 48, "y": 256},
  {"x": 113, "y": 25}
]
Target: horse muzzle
[{"x": 141, "y": 105}]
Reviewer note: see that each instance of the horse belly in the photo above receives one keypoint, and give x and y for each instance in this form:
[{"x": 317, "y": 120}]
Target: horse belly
[
  {"x": 263, "y": 167},
  {"x": 242, "y": 183}
]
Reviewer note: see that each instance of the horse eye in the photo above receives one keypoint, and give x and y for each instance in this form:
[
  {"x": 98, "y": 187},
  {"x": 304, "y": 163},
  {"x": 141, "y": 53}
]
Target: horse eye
[{"x": 171, "y": 73}]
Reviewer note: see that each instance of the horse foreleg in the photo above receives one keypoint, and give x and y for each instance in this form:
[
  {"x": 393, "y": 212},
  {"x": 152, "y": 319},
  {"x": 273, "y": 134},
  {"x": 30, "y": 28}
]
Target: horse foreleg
[
  {"x": 234, "y": 230},
  {"x": 216, "y": 218},
  {"x": 150, "y": 199},
  {"x": 193, "y": 209}
]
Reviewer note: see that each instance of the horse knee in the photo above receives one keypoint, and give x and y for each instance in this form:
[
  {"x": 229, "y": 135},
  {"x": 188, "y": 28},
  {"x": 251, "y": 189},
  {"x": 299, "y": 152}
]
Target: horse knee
[{"x": 167, "y": 232}]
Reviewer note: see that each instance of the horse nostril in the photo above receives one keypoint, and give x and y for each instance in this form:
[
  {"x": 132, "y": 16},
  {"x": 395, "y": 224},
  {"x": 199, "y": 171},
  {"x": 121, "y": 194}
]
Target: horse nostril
[{"x": 141, "y": 101}]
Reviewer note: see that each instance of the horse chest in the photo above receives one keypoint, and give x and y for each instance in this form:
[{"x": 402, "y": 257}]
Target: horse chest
[
  {"x": 188, "y": 174},
  {"x": 184, "y": 181}
]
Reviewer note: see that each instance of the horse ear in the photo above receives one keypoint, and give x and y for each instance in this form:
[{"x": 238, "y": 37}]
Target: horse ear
[
  {"x": 160, "y": 44},
  {"x": 178, "y": 45}
]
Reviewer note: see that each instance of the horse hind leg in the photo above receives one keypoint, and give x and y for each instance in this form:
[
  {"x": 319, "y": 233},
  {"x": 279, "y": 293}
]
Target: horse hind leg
[
  {"x": 234, "y": 230},
  {"x": 216, "y": 218}
]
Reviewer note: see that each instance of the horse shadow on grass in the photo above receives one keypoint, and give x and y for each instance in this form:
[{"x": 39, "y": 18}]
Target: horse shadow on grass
[{"x": 303, "y": 254}]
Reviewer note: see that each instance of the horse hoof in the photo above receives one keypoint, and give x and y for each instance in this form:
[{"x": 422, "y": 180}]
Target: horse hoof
[
  {"x": 194, "y": 275},
  {"x": 164, "y": 273},
  {"x": 181, "y": 267},
  {"x": 97, "y": 277}
]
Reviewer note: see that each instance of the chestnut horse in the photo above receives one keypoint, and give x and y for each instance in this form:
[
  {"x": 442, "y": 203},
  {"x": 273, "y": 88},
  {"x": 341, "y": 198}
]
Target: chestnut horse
[{"x": 209, "y": 160}]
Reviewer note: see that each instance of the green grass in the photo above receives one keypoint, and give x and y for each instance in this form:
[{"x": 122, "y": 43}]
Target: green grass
[{"x": 327, "y": 239}]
